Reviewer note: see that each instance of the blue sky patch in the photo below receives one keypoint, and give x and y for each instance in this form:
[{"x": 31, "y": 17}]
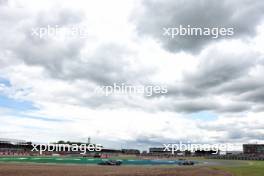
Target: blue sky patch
[
  {"x": 204, "y": 115},
  {"x": 17, "y": 105},
  {"x": 5, "y": 82}
]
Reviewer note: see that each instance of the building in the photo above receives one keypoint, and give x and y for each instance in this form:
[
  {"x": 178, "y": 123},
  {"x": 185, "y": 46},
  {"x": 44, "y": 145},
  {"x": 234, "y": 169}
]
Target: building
[
  {"x": 162, "y": 151},
  {"x": 11, "y": 141},
  {"x": 130, "y": 151},
  {"x": 159, "y": 150},
  {"x": 206, "y": 152},
  {"x": 254, "y": 149},
  {"x": 14, "y": 147}
]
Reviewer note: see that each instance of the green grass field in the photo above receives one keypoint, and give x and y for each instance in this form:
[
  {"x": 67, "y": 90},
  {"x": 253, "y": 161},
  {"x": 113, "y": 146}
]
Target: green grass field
[{"x": 248, "y": 168}]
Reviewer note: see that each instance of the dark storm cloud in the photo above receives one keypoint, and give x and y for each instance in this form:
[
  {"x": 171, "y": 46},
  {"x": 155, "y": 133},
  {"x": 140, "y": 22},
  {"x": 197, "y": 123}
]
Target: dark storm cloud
[
  {"x": 195, "y": 105},
  {"x": 236, "y": 107},
  {"x": 240, "y": 86},
  {"x": 254, "y": 96},
  {"x": 17, "y": 36},
  {"x": 218, "y": 68},
  {"x": 108, "y": 64},
  {"x": 50, "y": 55},
  {"x": 191, "y": 106},
  {"x": 219, "y": 73},
  {"x": 183, "y": 90},
  {"x": 243, "y": 16}
]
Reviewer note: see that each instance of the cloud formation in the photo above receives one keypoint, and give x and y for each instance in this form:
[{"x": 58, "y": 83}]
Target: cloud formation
[
  {"x": 243, "y": 16},
  {"x": 215, "y": 87}
]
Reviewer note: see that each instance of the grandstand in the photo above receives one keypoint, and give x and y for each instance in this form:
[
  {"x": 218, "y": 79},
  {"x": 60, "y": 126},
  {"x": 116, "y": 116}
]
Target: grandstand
[{"x": 14, "y": 147}]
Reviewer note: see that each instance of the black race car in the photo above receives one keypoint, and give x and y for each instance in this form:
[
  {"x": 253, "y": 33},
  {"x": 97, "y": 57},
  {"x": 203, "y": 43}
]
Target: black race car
[
  {"x": 110, "y": 163},
  {"x": 186, "y": 162}
]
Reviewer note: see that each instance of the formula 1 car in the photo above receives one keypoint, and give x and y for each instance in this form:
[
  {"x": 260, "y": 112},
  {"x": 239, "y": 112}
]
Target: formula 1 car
[
  {"x": 110, "y": 163},
  {"x": 185, "y": 162}
]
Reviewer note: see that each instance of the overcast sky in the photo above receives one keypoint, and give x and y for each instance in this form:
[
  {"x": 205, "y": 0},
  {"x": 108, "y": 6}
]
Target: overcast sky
[{"x": 215, "y": 86}]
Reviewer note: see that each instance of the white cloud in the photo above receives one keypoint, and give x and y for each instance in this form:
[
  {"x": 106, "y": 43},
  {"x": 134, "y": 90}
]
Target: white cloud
[{"x": 59, "y": 78}]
